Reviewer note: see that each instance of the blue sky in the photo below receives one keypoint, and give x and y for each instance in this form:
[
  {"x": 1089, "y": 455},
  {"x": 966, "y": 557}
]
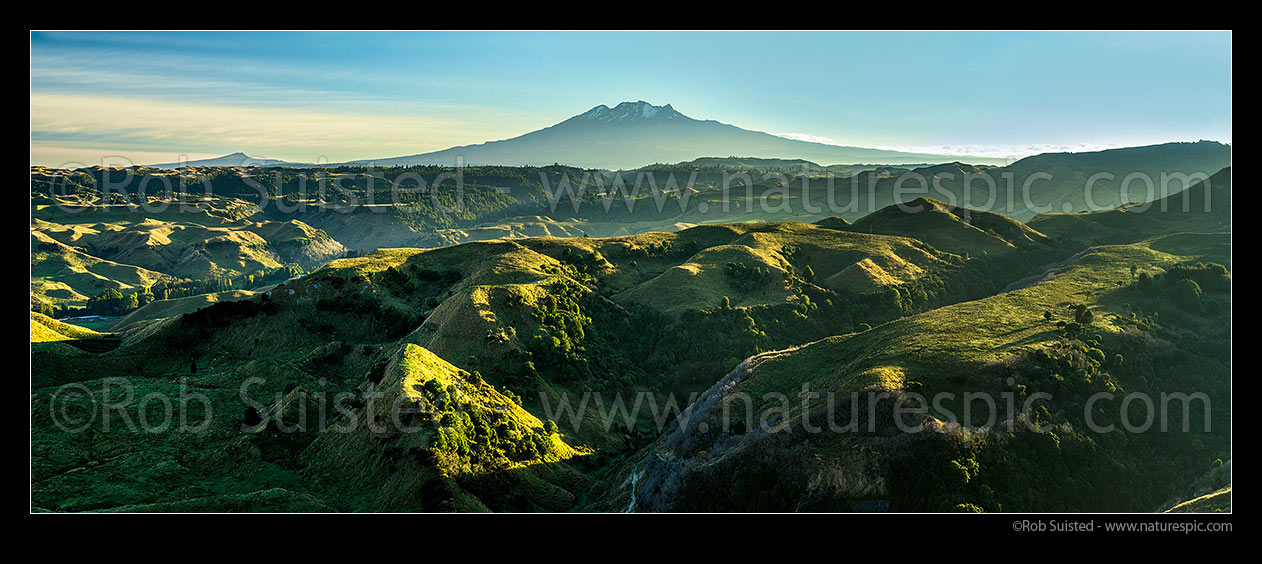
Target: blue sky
[{"x": 338, "y": 96}]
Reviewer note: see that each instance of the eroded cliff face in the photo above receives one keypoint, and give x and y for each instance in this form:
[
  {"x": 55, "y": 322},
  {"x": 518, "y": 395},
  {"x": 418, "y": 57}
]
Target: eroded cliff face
[
  {"x": 856, "y": 476},
  {"x": 713, "y": 459}
]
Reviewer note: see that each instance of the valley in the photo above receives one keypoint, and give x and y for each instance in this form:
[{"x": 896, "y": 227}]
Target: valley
[{"x": 499, "y": 342}]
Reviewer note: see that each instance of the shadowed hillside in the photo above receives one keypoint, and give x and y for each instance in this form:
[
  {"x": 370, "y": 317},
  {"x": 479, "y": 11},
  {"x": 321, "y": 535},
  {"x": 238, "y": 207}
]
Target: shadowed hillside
[
  {"x": 1203, "y": 207},
  {"x": 476, "y": 347},
  {"x": 954, "y": 229},
  {"x": 999, "y": 344}
]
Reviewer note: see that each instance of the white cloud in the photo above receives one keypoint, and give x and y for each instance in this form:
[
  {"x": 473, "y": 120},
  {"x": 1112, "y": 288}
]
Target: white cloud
[
  {"x": 811, "y": 138},
  {"x": 1016, "y": 151},
  {"x": 1000, "y": 151}
]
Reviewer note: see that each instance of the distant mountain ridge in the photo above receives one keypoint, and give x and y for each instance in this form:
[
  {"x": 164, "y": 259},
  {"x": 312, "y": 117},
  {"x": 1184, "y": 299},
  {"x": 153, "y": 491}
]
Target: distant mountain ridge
[
  {"x": 640, "y": 135},
  {"x": 231, "y": 160},
  {"x": 635, "y": 134}
]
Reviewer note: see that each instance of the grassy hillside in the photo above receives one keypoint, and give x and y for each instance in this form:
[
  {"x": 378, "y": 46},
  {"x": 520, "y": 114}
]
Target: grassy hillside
[
  {"x": 532, "y": 320},
  {"x": 1214, "y": 502},
  {"x": 191, "y": 250},
  {"x": 1047, "y": 183},
  {"x": 173, "y": 307},
  {"x": 468, "y": 350},
  {"x": 953, "y": 229},
  {"x": 296, "y": 339},
  {"x": 378, "y": 208},
  {"x": 1203, "y": 207},
  {"x": 63, "y": 274},
  {"x": 1004, "y": 343},
  {"x": 46, "y": 329},
  {"x": 86, "y": 240},
  {"x": 455, "y": 428}
]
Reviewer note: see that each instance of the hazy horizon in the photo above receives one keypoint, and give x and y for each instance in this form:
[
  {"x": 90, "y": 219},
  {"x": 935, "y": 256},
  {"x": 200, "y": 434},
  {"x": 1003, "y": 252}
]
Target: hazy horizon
[{"x": 341, "y": 96}]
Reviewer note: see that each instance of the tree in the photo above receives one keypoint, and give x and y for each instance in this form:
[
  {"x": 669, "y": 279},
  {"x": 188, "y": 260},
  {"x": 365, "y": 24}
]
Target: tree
[
  {"x": 111, "y": 302},
  {"x": 1186, "y": 294},
  {"x": 1047, "y": 316},
  {"x": 1083, "y": 315}
]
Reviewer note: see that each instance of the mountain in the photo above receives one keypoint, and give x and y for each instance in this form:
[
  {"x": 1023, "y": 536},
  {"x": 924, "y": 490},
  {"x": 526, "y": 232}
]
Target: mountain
[
  {"x": 634, "y": 134},
  {"x": 234, "y": 159}
]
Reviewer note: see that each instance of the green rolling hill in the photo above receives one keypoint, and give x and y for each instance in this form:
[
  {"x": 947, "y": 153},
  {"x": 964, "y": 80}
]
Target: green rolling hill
[{"x": 476, "y": 344}]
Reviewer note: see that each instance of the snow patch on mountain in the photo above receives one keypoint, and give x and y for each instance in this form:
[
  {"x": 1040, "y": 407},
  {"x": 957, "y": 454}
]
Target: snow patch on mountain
[{"x": 631, "y": 111}]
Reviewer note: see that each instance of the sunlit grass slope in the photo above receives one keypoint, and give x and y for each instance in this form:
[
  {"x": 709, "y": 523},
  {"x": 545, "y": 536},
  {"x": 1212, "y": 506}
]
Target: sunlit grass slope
[
  {"x": 45, "y": 329},
  {"x": 995, "y": 345}
]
